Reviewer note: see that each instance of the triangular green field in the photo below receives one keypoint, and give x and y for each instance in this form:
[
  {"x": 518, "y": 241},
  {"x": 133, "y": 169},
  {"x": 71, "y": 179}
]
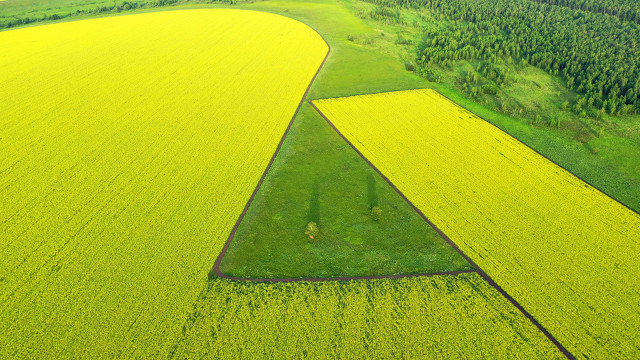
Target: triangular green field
[{"x": 364, "y": 227}]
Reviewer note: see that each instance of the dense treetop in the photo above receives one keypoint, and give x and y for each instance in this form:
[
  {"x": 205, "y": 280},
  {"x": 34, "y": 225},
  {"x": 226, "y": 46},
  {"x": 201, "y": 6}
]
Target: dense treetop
[
  {"x": 598, "y": 55},
  {"x": 623, "y": 9}
]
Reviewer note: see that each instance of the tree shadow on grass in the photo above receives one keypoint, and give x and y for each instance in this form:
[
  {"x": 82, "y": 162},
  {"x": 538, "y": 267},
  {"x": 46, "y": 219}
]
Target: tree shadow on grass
[{"x": 314, "y": 205}]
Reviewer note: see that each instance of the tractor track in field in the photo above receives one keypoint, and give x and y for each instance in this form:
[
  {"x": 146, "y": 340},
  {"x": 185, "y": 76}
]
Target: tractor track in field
[{"x": 215, "y": 272}]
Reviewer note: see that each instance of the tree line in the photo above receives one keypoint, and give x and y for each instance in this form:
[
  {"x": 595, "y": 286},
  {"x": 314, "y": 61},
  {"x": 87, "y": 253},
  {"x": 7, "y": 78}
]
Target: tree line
[
  {"x": 597, "y": 55},
  {"x": 14, "y": 21},
  {"x": 624, "y": 9}
]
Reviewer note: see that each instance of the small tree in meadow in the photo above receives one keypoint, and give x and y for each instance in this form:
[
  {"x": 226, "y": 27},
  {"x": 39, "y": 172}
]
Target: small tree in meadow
[
  {"x": 312, "y": 230},
  {"x": 376, "y": 213}
]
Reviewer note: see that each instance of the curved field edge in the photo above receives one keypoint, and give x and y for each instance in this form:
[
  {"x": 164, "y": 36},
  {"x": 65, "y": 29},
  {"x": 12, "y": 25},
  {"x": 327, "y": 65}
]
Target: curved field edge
[
  {"x": 559, "y": 247},
  {"x": 450, "y": 316},
  {"x": 606, "y": 169},
  {"x": 121, "y": 184}
]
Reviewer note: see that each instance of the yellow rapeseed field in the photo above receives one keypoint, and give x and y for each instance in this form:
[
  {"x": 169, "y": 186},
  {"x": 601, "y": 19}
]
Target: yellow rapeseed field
[
  {"x": 128, "y": 148},
  {"x": 440, "y": 317},
  {"x": 565, "y": 251}
]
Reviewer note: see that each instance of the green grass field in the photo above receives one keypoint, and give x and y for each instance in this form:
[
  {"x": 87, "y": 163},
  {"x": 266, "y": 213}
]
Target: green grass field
[
  {"x": 271, "y": 241},
  {"x": 318, "y": 177}
]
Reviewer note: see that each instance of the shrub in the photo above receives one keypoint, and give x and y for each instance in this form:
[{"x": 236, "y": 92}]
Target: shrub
[
  {"x": 312, "y": 230},
  {"x": 376, "y": 213}
]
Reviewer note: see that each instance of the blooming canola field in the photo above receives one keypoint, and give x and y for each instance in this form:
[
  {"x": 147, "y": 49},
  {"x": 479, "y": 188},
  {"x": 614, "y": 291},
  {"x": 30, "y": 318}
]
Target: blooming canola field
[
  {"x": 130, "y": 145},
  {"x": 439, "y": 317},
  {"x": 128, "y": 148},
  {"x": 562, "y": 249}
]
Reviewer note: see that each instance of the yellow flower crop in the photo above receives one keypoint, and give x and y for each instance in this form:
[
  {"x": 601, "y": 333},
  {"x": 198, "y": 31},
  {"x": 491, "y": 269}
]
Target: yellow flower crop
[
  {"x": 565, "y": 251},
  {"x": 440, "y": 317},
  {"x": 128, "y": 148}
]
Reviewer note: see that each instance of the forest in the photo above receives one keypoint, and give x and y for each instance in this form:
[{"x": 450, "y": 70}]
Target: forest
[
  {"x": 623, "y": 9},
  {"x": 597, "y": 54}
]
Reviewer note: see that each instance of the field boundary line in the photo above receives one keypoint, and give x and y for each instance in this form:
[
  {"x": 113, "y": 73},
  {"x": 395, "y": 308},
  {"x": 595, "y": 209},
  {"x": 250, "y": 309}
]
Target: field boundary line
[
  {"x": 350, "y": 278},
  {"x": 495, "y": 126},
  {"x": 544, "y": 156},
  {"x": 479, "y": 270},
  {"x": 215, "y": 271}
]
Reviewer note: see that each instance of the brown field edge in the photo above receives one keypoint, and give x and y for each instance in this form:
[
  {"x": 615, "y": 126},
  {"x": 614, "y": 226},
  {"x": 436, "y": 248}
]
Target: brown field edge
[{"x": 479, "y": 270}]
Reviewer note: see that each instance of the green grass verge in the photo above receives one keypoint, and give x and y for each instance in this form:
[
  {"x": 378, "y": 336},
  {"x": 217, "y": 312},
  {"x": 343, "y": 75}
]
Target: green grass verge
[
  {"x": 319, "y": 178},
  {"x": 605, "y": 152}
]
